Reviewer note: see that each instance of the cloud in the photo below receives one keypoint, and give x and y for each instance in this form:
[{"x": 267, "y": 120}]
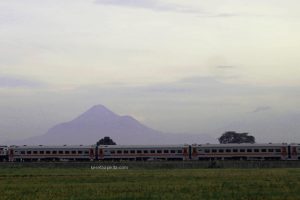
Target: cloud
[
  {"x": 262, "y": 109},
  {"x": 225, "y": 67},
  {"x": 197, "y": 86},
  {"x": 200, "y": 86},
  {"x": 154, "y": 5},
  {"x": 217, "y": 87},
  {"x": 199, "y": 79},
  {"x": 225, "y": 15},
  {"x": 14, "y": 82},
  {"x": 166, "y": 89}
]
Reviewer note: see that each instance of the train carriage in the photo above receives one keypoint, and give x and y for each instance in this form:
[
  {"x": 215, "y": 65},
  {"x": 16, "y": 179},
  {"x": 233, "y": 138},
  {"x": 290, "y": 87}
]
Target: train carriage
[
  {"x": 143, "y": 152},
  {"x": 268, "y": 151},
  {"x": 51, "y": 153},
  {"x": 240, "y": 151}
]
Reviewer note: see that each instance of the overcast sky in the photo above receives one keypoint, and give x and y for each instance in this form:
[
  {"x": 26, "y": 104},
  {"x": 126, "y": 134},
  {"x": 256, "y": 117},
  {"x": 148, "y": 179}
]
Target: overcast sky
[{"x": 177, "y": 66}]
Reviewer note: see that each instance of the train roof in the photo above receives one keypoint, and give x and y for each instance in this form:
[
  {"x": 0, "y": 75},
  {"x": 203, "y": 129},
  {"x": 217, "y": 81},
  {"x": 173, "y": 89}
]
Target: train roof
[
  {"x": 50, "y": 146},
  {"x": 295, "y": 144},
  {"x": 142, "y": 146},
  {"x": 243, "y": 145}
]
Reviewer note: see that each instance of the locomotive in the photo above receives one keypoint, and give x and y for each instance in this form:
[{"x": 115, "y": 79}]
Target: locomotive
[{"x": 23, "y": 153}]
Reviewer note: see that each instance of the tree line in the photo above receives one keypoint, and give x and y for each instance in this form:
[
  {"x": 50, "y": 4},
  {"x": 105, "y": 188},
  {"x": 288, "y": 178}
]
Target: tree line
[{"x": 229, "y": 137}]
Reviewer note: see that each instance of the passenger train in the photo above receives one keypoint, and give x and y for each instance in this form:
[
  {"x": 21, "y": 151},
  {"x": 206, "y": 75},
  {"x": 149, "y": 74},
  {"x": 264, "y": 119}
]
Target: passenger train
[{"x": 23, "y": 153}]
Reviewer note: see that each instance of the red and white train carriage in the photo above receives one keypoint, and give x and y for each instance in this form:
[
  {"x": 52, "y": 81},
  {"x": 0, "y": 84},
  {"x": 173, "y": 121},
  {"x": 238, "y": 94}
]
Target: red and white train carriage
[
  {"x": 143, "y": 152},
  {"x": 51, "y": 153},
  {"x": 240, "y": 152}
]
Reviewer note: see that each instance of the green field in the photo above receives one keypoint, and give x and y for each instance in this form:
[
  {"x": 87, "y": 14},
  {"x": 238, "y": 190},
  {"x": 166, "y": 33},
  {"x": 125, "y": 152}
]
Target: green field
[{"x": 84, "y": 183}]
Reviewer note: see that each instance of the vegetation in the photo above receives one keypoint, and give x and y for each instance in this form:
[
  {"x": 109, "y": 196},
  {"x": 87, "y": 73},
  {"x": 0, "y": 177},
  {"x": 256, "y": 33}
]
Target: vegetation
[
  {"x": 85, "y": 184},
  {"x": 233, "y": 137},
  {"x": 106, "y": 141}
]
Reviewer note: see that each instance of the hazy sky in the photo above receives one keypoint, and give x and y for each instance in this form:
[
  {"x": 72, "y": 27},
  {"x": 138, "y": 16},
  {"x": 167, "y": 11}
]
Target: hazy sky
[{"x": 177, "y": 66}]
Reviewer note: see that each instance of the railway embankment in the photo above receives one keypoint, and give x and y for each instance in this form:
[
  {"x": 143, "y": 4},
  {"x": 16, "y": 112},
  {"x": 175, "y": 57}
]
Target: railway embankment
[{"x": 109, "y": 165}]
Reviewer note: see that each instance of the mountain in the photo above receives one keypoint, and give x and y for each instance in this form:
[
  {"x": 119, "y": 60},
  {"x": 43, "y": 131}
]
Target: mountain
[{"x": 99, "y": 121}]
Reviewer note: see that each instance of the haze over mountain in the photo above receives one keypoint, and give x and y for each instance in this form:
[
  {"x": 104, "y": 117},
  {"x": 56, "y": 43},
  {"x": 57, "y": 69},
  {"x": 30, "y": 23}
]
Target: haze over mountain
[{"x": 99, "y": 121}]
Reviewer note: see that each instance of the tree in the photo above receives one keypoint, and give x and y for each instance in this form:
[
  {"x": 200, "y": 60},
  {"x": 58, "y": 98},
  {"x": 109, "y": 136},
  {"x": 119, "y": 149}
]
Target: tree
[
  {"x": 106, "y": 141},
  {"x": 233, "y": 137}
]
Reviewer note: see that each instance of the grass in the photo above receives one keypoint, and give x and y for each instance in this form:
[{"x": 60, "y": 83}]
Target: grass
[{"x": 85, "y": 184}]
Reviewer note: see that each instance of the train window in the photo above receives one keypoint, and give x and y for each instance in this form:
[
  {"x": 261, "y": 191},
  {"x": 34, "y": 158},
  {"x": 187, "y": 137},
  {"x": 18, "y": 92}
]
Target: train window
[
  {"x": 172, "y": 151},
  {"x": 22, "y": 152},
  {"x": 159, "y": 151},
  {"x": 28, "y": 152},
  {"x": 278, "y": 150},
  {"x": 166, "y": 151},
  {"x": 249, "y": 150},
  {"x": 41, "y": 152},
  {"x": 152, "y": 151},
  {"x": 228, "y": 150},
  {"x": 221, "y": 150},
  {"x": 256, "y": 150},
  {"x": 86, "y": 152},
  {"x": 54, "y": 152},
  {"x": 206, "y": 150},
  {"x": 242, "y": 150},
  {"x": 264, "y": 150},
  {"x": 145, "y": 151},
  {"x": 235, "y": 150},
  {"x": 119, "y": 151},
  {"x": 60, "y": 152},
  {"x": 79, "y": 152},
  {"x": 132, "y": 151},
  {"x": 67, "y": 152},
  {"x": 47, "y": 152},
  {"x": 179, "y": 151},
  {"x": 35, "y": 152},
  {"x": 112, "y": 152},
  {"x": 214, "y": 150},
  {"x": 125, "y": 151},
  {"x": 194, "y": 150},
  {"x": 139, "y": 151},
  {"x": 73, "y": 152},
  {"x": 270, "y": 150}
]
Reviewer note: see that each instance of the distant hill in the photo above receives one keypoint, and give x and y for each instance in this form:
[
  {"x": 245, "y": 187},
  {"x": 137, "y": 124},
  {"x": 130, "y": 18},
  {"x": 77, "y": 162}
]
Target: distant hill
[{"x": 99, "y": 121}]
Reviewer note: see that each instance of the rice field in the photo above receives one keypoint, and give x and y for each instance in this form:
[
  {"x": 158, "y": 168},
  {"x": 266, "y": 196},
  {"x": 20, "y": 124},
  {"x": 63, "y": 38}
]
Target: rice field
[{"x": 85, "y": 184}]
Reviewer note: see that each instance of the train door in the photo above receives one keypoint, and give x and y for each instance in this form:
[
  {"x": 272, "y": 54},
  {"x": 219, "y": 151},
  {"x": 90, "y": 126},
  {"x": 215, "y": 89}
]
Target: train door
[
  {"x": 293, "y": 152},
  {"x": 185, "y": 153},
  {"x": 101, "y": 153},
  {"x": 92, "y": 154},
  {"x": 194, "y": 153},
  {"x": 11, "y": 155},
  {"x": 284, "y": 154}
]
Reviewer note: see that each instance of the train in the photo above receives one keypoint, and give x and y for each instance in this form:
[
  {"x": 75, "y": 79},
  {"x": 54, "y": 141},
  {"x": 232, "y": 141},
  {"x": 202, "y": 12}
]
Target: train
[{"x": 269, "y": 151}]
